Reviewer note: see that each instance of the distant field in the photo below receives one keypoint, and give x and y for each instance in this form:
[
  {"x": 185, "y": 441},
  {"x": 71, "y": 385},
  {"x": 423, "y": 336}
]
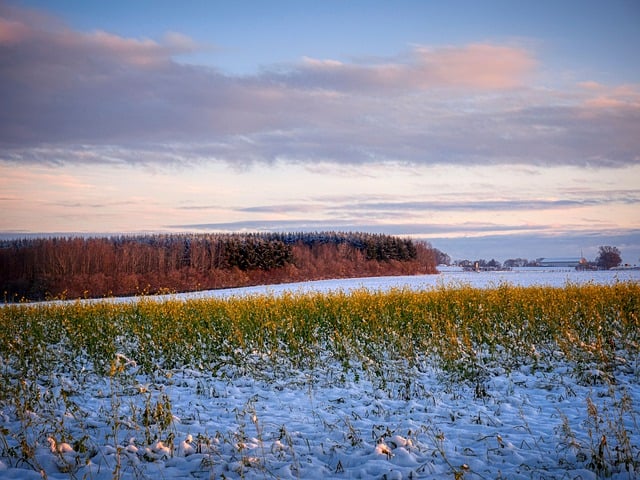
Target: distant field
[{"x": 451, "y": 277}]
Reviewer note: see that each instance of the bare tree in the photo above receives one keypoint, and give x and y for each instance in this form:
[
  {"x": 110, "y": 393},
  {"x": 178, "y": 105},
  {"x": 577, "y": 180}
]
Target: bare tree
[{"x": 608, "y": 257}]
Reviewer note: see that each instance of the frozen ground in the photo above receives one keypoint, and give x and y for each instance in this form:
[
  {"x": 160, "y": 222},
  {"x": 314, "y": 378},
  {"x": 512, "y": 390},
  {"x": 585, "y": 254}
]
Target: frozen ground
[
  {"x": 553, "y": 420},
  {"x": 448, "y": 276}
]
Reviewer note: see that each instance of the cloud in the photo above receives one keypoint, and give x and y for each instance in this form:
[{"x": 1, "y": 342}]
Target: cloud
[
  {"x": 481, "y": 66},
  {"x": 198, "y": 207},
  {"x": 12, "y": 32},
  {"x": 97, "y": 97},
  {"x": 373, "y": 206},
  {"x": 88, "y": 205},
  {"x": 295, "y": 225}
]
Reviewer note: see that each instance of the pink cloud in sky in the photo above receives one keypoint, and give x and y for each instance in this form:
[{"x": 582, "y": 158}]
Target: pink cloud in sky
[
  {"x": 138, "y": 52},
  {"x": 482, "y": 66},
  {"x": 619, "y": 98},
  {"x": 99, "y": 97},
  {"x": 476, "y": 66},
  {"x": 12, "y": 31}
]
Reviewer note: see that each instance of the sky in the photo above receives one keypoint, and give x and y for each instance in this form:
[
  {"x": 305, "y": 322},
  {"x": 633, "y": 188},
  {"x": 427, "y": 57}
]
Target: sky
[{"x": 491, "y": 129}]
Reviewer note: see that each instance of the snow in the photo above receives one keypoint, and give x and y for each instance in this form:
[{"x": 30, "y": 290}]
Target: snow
[
  {"x": 526, "y": 422},
  {"x": 448, "y": 277}
]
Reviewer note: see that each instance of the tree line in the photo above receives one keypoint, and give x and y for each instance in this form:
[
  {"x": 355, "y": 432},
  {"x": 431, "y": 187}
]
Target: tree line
[{"x": 38, "y": 268}]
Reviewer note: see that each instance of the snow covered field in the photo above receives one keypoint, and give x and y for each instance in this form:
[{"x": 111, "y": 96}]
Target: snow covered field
[
  {"x": 449, "y": 276},
  {"x": 552, "y": 420}
]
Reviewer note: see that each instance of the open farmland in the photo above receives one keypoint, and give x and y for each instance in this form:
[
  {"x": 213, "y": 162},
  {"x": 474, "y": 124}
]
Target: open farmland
[{"x": 505, "y": 380}]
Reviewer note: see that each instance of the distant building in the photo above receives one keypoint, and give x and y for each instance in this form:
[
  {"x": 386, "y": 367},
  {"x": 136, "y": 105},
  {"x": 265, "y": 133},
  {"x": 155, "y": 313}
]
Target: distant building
[{"x": 573, "y": 262}]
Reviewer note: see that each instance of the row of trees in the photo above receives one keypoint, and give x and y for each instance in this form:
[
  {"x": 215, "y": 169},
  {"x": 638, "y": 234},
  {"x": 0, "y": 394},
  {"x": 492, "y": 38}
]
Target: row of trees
[
  {"x": 481, "y": 264},
  {"x": 125, "y": 265}
]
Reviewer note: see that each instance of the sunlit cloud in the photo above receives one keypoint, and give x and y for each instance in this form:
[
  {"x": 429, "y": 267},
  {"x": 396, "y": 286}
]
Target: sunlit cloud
[
  {"x": 12, "y": 32},
  {"x": 97, "y": 97},
  {"x": 373, "y": 207},
  {"x": 90, "y": 206},
  {"x": 353, "y": 224},
  {"x": 482, "y": 66}
]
